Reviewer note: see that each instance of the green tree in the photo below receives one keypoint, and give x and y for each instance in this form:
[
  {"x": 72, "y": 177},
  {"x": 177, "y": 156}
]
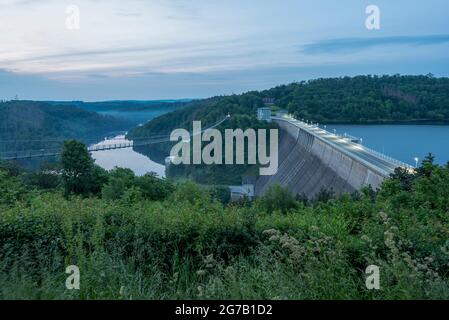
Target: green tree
[
  {"x": 278, "y": 198},
  {"x": 427, "y": 166},
  {"x": 324, "y": 195},
  {"x": 80, "y": 175},
  {"x": 221, "y": 193},
  {"x": 154, "y": 188},
  {"x": 11, "y": 189},
  {"x": 120, "y": 180},
  {"x": 404, "y": 177}
]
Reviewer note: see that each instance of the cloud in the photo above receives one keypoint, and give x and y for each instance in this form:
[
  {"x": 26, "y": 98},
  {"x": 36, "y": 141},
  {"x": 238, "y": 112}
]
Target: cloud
[
  {"x": 192, "y": 48},
  {"x": 98, "y": 76},
  {"x": 152, "y": 60},
  {"x": 350, "y": 45}
]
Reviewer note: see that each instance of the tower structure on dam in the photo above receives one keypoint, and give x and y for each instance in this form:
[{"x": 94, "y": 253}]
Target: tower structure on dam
[{"x": 312, "y": 159}]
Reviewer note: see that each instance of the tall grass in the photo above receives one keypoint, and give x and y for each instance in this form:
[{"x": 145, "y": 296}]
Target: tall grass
[{"x": 192, "y": 247}]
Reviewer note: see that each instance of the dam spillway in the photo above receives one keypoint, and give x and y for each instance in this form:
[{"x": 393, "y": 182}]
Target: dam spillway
[{"x": 312, "y": 159}]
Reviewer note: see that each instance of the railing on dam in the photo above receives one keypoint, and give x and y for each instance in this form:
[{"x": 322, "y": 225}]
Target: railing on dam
[
  {"x": 388, "y": 158},
  {"x": 350, "y": 145}
]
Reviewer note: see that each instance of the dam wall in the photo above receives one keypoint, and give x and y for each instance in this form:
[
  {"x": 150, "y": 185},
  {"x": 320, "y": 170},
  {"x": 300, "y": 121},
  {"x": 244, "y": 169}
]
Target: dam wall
[{"x": 308, "y": 164}]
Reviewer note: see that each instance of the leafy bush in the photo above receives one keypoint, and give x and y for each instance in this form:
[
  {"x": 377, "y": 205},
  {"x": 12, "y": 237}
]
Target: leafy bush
[
  {"x": 149, "y": 186},
  {"x": 277, "y": 198},
  {"x": 119, "y": 181},
  {"x": 190, "y": 245},
  {"x": 11, "y": 190},
  {"x": 47, "y": 177},
  {"x": 154, "y": 188}
]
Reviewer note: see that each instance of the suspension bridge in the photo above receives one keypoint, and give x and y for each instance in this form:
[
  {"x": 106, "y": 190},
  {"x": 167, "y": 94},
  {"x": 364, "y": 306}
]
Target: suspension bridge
[{"x": 101, "y": 146}]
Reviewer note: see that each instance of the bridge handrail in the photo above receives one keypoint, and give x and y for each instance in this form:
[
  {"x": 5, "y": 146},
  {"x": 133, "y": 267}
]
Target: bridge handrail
[
  {"x": 22, "y": 154},
  {"x": 373, "y": 152}
]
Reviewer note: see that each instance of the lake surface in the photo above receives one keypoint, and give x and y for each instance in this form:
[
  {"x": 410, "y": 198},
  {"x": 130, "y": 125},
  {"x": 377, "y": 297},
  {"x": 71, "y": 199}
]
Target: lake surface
[
  {"x": 126, "y": 158},
  {"x": 403, "y": 142}
]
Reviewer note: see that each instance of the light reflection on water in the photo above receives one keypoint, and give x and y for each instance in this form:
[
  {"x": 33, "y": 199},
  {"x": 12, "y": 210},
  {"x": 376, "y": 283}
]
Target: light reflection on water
[{"x": 126, "y": 158}]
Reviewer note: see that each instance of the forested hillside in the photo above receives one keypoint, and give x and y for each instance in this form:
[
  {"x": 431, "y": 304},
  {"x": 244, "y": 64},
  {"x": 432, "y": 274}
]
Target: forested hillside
[
  {"x": 361, "y": 99},
  {"x": 350, "y": 99},
  {"x": 24, "y": 122},
  {"x": 242, "y": 110},
  {"x": 366, "y": 99}
]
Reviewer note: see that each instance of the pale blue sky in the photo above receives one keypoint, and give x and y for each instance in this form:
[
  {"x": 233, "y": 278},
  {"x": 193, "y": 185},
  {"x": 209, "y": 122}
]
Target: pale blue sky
[{"x": 163, "y": 49}]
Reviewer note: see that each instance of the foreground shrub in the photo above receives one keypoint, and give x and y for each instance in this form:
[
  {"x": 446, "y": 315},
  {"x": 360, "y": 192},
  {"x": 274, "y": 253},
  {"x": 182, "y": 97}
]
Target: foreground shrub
[
  {"x": 277, "y": 198},
  {"x": 190, "y": 245}
]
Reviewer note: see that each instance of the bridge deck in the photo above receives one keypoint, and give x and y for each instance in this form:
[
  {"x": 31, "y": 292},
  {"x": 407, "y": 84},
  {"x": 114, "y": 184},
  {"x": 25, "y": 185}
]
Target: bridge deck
[{"x": 101, "y": 146}]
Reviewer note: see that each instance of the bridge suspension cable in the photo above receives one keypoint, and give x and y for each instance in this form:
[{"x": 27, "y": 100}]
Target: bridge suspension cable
[{"x": 50, "y": 152}]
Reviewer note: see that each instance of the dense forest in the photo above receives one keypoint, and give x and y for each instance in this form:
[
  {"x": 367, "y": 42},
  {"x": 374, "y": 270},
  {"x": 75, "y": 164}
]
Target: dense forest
[
  {"x": 24, "y": 124},
  {"x": 361, "y": 99},
  {"x": 148, "y": 238},
  {"x": 367, "y": 99},
  {"x": 358, "y": 99}
]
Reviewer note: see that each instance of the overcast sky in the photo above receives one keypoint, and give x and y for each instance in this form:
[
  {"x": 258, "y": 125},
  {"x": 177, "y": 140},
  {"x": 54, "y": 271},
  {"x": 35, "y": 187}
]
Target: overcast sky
[{"x": 164, "y": 49}]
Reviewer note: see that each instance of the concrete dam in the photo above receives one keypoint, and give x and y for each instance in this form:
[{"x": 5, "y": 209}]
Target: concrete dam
[{"x": 312, "y": 159}]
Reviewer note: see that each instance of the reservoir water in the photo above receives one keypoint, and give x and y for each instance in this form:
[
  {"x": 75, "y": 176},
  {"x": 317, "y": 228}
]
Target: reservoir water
[
  {"x": 403, "y": 142},
  {"x": 126, "y": 158}
]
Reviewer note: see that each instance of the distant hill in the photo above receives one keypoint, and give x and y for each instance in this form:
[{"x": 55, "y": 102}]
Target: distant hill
[
  {"x": 136, "y": 111},
  {"x": 123, "y": 105}
]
